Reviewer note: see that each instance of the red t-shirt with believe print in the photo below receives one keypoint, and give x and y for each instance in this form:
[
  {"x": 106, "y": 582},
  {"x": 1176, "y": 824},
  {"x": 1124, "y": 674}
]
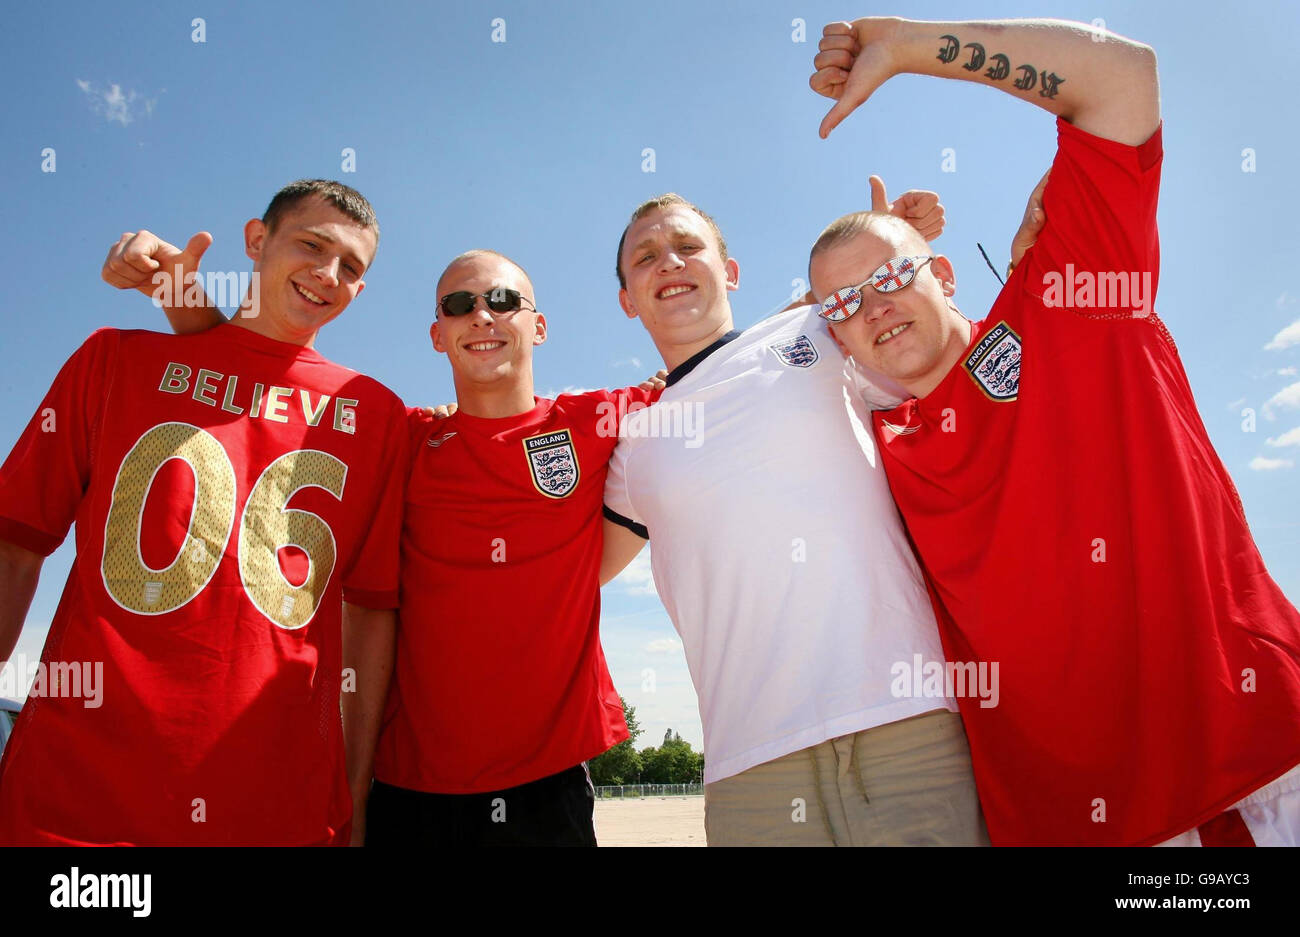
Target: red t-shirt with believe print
[
  {"x": 229, "y": 491},
  {"x": 1082, "y": 535},
  {"x": 500, "y": 676}
]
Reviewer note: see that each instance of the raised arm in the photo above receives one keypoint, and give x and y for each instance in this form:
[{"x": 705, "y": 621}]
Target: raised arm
[
  {"x": 1100, "y": 82},
  {"x": 141, "y": 260}
]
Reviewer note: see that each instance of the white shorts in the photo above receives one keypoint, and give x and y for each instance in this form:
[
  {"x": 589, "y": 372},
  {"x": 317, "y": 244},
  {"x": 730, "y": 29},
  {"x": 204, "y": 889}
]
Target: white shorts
[{"x": 1271, "y": 816}]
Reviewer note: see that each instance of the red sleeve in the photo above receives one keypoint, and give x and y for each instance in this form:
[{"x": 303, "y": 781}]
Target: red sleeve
[
  {"x": 1100, "y": 203},
  {"x": 372, "y": 582},
  {"x": 637, "y": 395},
  {"x": 46, "y": 475}
]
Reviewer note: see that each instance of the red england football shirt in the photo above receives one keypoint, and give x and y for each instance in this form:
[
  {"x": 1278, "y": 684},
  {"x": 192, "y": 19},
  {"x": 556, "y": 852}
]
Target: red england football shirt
[
  {"x": 500, "y": 676},
  {"x": 1083, "y": 536},
  {"x": 229, "y": 491}
]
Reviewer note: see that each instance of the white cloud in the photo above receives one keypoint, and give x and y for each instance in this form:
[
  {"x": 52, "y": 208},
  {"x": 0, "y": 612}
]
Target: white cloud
[
  {"x": 1236, "y": 403},
  {"x": 663, "y": 646},
  {"x": 114, "y": 103},
  {"x": 637, "y": 579},
  {"x": 1287, "y": 397},
  {"x": 552, "y": 393},
  {"x": 1261, "y": 464},
  {"x": 1287, "y": 372},
  {"x": 628, "y": 363},
  {"x": 1290, "y": 438},
  {"x": 1286, "y": 338},
  {"x": 1285, "y": 299}
]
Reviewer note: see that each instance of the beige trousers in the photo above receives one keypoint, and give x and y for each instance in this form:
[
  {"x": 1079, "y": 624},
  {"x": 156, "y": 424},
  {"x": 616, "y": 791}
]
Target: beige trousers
[{"x": 908, "y": 783}]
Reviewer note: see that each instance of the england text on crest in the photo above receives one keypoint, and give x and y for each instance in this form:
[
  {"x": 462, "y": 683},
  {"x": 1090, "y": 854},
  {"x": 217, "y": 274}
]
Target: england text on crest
[
  {"x": 553, "y": 462},
  {"x": 994, "y": 364},
  {"x": 797, "y": 352}
]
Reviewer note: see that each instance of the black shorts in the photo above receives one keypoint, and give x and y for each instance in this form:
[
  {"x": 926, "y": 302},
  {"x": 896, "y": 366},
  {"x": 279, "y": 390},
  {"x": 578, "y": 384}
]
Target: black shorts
[{"x": 553, "y": 811}]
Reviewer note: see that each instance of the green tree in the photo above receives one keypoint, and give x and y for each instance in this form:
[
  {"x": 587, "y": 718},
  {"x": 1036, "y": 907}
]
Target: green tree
[
  {"x": 621, "y": 764},
  {"x": 674, "y": 762}
]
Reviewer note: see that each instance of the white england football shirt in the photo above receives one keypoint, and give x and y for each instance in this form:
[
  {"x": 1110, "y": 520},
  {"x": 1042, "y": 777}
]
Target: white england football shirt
[{"x": 778, "y": 551}]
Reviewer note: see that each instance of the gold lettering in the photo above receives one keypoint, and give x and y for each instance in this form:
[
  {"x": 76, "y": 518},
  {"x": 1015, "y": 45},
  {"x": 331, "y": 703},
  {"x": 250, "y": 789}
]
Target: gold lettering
[
  {"x": 176, "y": 379},
  {"x": 276, "y": 405},
  {"x": 203, "y": 385},
  {"x": 313, "y": 414},
  {"x": 345, "y": 415},
  {"x": 228, "y": 402}
]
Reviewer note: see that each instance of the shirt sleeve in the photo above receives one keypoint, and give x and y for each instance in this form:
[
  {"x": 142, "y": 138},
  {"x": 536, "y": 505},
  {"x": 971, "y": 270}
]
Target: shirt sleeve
[
  {"x": 618, "y": 504},
  {"x": 45, "y": 478},
  {"x": 1100, "y": 203},
  {"x": 876, "y": 390},
  {"x": 373, "y": 580}
]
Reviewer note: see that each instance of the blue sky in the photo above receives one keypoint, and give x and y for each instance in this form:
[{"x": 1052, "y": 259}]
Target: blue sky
[{"x": 535, "y": 147}]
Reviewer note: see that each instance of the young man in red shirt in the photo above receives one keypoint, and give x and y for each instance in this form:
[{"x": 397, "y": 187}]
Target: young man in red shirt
[
  {"x": 1073, "y": 519},
  {"x": 230, "y": 490},
  {"x": 478, "y": 706}
]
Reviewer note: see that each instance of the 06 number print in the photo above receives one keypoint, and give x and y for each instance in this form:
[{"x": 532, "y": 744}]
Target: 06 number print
[{"x": 266, "y": 526}]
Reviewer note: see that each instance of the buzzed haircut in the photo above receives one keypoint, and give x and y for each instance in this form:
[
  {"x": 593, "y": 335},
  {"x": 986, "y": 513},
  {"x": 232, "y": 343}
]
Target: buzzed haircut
[
  {"x": 343, "y": 197},
  {"x": 484, "y": 252},
  {"x": 660, "y": 203},
  {"x": 847, "y": 227}
]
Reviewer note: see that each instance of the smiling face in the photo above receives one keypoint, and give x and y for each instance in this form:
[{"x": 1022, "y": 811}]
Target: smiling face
[
  {"x": 677, "y": 281},
  {"x": 489, "y": 353},
  {"x": 913, "y": 335},
  {"x": 309, "y": 268}
]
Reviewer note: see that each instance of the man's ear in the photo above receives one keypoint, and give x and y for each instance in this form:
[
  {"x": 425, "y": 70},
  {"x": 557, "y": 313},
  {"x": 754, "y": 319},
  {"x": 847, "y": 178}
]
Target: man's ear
[
  {"x": 254, "y": 238},
  {"x": 625, "y": 301},
  {"x": 539, "y": 336},
  {"x": 945, "y": 274},
  {"x": 733, "y": 273},
  {"x": 436, "y": 334}
]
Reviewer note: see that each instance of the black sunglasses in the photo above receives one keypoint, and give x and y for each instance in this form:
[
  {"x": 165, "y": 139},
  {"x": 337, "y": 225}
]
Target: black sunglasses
[{"x": 500, "y": 300}]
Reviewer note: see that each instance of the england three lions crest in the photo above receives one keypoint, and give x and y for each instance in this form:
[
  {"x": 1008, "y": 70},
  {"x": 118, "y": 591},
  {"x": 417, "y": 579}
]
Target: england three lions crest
[
  {"x": 553, "y": 462},
  {"x": 994, "y": 364},
  {"x": 797, "y": 353}
]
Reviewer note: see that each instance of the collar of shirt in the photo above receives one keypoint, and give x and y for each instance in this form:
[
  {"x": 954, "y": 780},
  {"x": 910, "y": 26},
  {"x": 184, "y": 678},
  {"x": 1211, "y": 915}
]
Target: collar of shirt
[{"x": 687, "y": 366}]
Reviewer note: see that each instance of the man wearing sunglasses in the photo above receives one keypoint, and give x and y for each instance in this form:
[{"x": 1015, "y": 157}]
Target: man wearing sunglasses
[
  {"x": 1072, "y": 517},
  {"x": 782, "y": 562},
  {"x": 501, "y": 690},
  {"x": 476, "y": 709}
]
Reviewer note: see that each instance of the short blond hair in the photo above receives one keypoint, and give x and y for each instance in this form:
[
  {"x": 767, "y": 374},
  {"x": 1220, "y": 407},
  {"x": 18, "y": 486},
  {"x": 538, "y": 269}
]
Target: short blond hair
[
  {"x": 847, "y": 227},
  {"x": 660, "y": 203}
]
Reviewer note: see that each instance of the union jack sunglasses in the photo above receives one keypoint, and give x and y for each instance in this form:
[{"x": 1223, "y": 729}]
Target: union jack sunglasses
[{"x": 889, "y": 277}]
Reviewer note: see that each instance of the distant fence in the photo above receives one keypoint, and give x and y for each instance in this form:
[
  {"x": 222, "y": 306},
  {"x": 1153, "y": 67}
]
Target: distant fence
[{"x": 648, "y": 790}]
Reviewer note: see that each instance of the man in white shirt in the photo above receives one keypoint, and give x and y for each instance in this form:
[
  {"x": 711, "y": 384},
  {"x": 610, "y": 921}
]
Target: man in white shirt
[{"x": 782, "y": 562}]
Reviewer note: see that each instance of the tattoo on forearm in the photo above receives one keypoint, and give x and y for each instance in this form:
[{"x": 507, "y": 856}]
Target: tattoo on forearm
[{"x": 1049, "y": 83}]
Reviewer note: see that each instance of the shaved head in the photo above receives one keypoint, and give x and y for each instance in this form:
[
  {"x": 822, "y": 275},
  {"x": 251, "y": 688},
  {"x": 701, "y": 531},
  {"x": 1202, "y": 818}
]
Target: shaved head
[
  {"x": 470, "y": 256},
  {"x": 881, "y": 224}
]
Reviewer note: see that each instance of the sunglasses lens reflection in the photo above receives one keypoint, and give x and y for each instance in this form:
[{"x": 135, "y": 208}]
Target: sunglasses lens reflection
[{"x": 842, "y": 304}]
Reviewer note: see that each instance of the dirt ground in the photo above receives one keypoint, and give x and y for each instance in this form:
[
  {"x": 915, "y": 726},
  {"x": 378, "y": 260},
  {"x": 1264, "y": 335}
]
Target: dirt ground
[{"x": 652, "y": 821}]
